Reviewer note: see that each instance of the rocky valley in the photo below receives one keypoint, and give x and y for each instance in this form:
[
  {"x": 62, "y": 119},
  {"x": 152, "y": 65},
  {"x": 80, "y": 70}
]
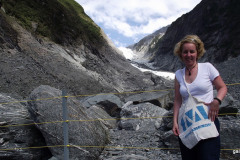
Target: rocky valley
[{"x": 115, "y": 111}]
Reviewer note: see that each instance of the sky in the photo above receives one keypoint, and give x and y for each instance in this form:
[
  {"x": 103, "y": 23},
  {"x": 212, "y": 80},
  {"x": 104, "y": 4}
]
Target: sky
[{"x": 126, "y": 22}]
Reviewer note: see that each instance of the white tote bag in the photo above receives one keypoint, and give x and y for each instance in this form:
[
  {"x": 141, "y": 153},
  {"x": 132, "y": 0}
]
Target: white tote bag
[{"x": 193, "y": 122}]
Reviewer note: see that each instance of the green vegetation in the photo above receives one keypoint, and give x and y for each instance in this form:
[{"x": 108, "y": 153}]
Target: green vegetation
[{"x": 63, "y": 21}]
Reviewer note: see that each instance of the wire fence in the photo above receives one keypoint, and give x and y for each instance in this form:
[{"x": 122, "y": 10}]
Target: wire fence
[{"x": 66, "y": 121}]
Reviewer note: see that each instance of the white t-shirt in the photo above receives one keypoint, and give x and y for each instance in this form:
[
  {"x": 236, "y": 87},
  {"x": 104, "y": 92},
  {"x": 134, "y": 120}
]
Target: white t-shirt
[{"x": 201, "y": 87}]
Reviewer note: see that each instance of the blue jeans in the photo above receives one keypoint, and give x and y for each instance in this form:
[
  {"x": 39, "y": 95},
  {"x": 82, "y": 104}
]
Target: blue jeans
[{"x": 208, "y": 149}]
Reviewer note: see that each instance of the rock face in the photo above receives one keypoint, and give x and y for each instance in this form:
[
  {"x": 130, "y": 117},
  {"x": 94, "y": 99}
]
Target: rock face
[
  {"x": 83, "y": 129},
  {"x": 15, "y": 132},
  {"x": 145, "y": 45},
  {"x": 29, "y": 59},
  {"x": 215, "y": 22},
  {"x": 229, "y": 70}
]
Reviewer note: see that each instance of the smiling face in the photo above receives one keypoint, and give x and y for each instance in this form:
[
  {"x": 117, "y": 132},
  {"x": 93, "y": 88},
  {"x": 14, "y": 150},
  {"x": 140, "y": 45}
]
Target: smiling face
[{"x": 189, "y": 54}]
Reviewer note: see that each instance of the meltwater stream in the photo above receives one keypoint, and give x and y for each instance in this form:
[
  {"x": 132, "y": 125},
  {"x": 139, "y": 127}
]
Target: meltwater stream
[{"x": 164, "y": 74}]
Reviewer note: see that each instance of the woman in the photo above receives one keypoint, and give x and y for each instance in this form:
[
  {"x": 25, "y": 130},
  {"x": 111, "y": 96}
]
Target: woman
[{"x": 199, "y": 78}]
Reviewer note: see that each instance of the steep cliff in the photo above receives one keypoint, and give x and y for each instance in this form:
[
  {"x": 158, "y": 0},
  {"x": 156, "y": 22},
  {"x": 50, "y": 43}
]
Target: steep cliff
[
  {"x": 215, "y": 22},
  {"x": 146, "y": 45},
  {"x": 55, "y": 43}
]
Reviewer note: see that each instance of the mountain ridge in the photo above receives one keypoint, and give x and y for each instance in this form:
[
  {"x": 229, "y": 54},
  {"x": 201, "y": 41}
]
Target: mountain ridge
[
  {"x": 215, "y": 22},
  {"x": 80, "y": 65}
]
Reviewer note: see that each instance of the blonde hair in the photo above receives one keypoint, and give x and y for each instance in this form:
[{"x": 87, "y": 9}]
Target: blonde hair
[{"x": 190, "y": 39}]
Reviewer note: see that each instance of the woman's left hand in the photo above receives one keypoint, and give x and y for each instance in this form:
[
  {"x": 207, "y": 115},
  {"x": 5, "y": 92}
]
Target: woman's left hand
[{"x": 213, "y": 109}]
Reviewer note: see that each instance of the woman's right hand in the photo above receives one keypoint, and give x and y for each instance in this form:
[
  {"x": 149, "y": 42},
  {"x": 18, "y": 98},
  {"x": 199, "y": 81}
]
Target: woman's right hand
[
  {"x": 176, "y": 107},
  {"x": 175, "y": 129}
]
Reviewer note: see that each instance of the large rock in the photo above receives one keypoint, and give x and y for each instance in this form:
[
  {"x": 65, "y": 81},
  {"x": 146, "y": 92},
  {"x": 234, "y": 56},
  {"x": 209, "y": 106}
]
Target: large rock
[
  {"x": 93, "y": 100},
  {"x": 109, "y": 102},
  {"x": 46, "y": 108},
  {"x": 18, "y": 132},
  {"x": 229, "y": 105},
  {"x": 101, "y": 115},
  {"x": 159, "y": 98},
  {"x": 142, "y": 117}
]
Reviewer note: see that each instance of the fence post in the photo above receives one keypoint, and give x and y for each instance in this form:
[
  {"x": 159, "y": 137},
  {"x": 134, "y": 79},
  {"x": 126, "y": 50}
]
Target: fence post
[{"x": 65, "y": 124}]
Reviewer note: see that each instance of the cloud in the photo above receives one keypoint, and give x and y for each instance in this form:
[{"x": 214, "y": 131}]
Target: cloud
[{"x": 133, "y": 18}]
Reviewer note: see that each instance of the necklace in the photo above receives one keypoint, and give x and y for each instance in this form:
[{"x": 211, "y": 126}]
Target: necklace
[{"x": 189, "y": 70}]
